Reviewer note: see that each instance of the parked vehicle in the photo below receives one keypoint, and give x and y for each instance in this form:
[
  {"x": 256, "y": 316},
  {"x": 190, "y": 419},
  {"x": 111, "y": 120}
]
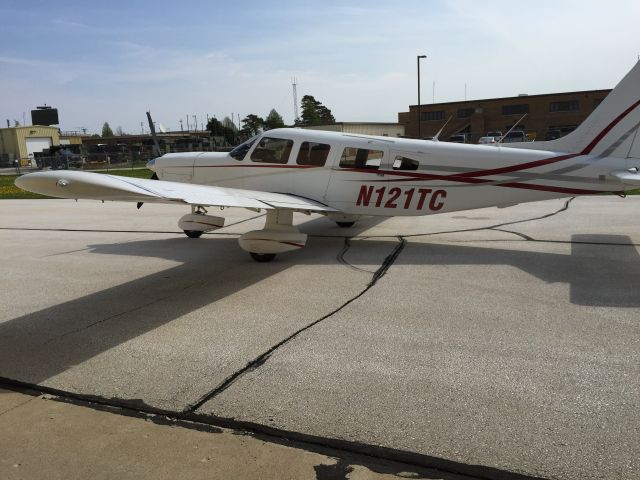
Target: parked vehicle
[
  {"x": 553, "y": 134},
  {"x": 488, "y": 140},
  {"x": 515, "y": 136},
  {"x": 458, "y": 138}
]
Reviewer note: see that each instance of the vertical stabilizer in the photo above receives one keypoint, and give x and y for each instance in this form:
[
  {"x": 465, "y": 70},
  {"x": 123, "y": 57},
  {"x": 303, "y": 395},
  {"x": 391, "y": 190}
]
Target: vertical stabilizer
[{"x": 610, "y": 130}]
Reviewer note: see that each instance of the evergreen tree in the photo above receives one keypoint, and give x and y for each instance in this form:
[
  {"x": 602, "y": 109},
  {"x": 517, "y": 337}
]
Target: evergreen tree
[
  {"x": 226, "y": 130},
  {"x": 273, "y": 120},
  {"x": 106, "y": 130},
  {"x": 315, "y": 113},
  {"x": 252, "y": 125},
  {"x": 227, "y": 122}
]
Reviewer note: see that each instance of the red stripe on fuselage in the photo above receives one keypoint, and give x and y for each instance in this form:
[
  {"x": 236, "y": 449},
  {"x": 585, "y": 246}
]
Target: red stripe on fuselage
[
  {"x": 255, "y": 166},
  {"x": 476, "y": 181},
  {"x": 516, "y": 168},
  {"x": 607, "y": 129}
]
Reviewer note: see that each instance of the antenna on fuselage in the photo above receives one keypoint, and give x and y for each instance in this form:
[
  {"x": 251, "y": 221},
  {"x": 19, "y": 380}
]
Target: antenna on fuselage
[
  {"x": 435, "y": 137},
  {"x": 514, "y": 126}
]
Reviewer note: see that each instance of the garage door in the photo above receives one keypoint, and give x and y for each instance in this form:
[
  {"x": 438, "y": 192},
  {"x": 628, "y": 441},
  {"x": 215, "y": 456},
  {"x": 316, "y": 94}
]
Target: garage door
[{"x": 37, "y": 144}]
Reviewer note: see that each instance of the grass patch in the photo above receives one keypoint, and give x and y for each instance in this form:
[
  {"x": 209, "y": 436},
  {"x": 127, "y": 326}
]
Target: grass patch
[{"x": 9, "y": 191}]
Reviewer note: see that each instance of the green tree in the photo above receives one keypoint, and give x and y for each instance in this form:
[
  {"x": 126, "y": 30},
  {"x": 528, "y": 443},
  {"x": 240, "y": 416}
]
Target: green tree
[
  {"x": 224, "y": 130},
  {"x": 273, "y": 120},
  {"x": 315, "y": 113},
  {"x": 106, "y": 130},
  {"x": 227, "y": 122},
  {"x": 252, "y": 125}
]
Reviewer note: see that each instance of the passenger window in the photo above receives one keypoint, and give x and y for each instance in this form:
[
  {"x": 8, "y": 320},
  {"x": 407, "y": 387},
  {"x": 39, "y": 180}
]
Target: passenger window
[
  {"x": 313, "y": 154},
  {"x": 361, "y": 158},
  {"x": 272, "y": 150},
  {"x": 404, "y": 163}
]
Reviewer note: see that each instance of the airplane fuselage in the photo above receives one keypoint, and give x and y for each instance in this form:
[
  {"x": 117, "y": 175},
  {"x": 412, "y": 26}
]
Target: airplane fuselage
[{"x": 362, "y": 175}]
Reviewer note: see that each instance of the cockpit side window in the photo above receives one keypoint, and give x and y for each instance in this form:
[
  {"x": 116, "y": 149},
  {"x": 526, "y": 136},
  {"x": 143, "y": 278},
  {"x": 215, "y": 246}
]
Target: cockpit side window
[
  {"x": 404, "y": 163},
  {"x": 361, "y": 158},
  {"x": 241, "y": 150},
  {"x": 272, "y": 150},
  {"x": 313, "y": 154}
]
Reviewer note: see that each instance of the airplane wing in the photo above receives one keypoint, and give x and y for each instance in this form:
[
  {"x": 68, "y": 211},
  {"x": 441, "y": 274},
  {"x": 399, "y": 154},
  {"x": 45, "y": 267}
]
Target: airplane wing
[
  {"x": 628, "y": 177},
  {"x": 96, "y": 186}
]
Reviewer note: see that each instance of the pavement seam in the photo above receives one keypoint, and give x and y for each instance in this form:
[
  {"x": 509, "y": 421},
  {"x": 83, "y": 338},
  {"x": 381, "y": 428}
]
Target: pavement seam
[
  {"x": 31, "y": 399},
  {"x": 309, "y": 442},
  {"x": 120, "y": 314},
  {"x": 262, "y": 358}
]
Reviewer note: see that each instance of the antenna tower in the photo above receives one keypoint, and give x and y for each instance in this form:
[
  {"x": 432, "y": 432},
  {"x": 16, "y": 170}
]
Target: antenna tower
[{"x": 294, "y": 84}]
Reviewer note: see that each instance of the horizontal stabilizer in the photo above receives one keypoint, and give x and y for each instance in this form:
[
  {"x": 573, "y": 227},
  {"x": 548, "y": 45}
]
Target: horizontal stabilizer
[{"x": 628, "y": 177}]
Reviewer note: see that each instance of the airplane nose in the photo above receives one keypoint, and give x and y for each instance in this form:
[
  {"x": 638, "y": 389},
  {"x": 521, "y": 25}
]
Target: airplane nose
[{"x": 151, "y": 164}]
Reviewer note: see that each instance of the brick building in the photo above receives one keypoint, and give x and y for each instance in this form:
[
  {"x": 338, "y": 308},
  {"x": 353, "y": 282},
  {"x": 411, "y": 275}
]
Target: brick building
[{"x": 548, "y": 115}]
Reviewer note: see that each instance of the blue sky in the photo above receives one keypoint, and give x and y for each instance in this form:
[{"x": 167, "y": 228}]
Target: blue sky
[{"x": 112, "y": 61}]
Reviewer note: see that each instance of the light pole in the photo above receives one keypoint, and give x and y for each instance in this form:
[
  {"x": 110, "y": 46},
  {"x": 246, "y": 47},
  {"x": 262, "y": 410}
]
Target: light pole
[{"x": 419, "y": 112}]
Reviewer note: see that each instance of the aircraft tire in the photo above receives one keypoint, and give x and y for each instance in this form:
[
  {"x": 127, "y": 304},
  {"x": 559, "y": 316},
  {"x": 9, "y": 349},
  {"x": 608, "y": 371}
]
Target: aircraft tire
[
  {"x": 262, "y": 257},
  {"x": 193, "y": 233},
  {"x": 345, "y": 224}
]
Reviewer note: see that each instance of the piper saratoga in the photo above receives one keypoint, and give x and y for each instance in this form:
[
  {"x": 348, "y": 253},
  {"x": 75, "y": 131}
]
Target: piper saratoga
[{"x": 346, "y": 176}]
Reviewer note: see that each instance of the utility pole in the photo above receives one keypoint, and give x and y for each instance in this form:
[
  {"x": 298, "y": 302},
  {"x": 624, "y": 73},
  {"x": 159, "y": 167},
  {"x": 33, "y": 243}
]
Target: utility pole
[{"x": 195, "y": 123}]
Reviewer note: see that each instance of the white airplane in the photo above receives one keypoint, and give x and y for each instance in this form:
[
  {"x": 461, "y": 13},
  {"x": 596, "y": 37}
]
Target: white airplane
[{"x": 346, "y": 176}]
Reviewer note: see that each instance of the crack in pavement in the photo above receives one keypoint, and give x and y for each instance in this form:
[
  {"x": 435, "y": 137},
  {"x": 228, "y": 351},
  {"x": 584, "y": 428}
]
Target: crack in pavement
[
  {"x": 262, "y": 358},
  {"x": 343, "y": 261}
]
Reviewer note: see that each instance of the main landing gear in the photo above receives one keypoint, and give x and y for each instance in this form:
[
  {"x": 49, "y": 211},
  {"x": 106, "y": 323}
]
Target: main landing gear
[
  {"x": 197, "y": 222},
  {"x": 278, "y": 236},
  {"x": 262, "y": 257}
]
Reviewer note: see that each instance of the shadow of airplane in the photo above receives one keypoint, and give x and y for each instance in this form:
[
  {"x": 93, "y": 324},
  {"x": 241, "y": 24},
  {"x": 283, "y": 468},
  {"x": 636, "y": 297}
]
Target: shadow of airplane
[{"x": 40, "y": 345}]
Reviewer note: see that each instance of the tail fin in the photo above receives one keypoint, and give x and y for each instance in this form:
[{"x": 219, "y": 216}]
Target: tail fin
[{"x": 610, "y": 130}]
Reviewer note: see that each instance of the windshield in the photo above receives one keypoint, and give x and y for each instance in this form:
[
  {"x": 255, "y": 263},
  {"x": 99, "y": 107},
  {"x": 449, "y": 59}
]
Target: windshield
[{"x": 241, "y": 150}]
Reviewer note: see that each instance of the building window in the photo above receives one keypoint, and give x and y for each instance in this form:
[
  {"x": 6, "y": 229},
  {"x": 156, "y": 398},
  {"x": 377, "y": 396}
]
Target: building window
[
  {"x": 404, "y": 163},
  {"x": 515, "y": 109},
  {"x": 568, "y": 106},
  {"x": 361, "y": 158},
  {"x": 429, "y": 116},
  {"x": 314, "y": 154},
  {"x": 272, "y": 150},
  {"x": 465, "y": 112}
]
